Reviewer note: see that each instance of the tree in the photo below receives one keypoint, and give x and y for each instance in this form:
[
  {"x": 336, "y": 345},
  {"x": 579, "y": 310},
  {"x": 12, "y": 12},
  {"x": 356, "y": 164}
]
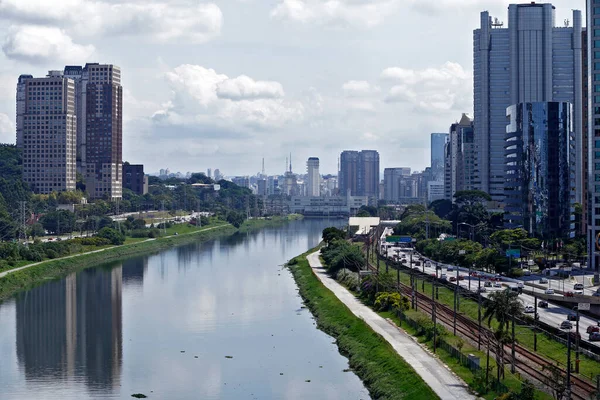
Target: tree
[
  {"x": 115, "y": 237},
  {"x": 442, "y": 208},
  {"x": 235, "y": 218},
  {"x": 470, "y": 197},
  {"x": 36, "y": 230},
  {"x": 331, "y": 234},
  {"x": 58, "y": 222}
]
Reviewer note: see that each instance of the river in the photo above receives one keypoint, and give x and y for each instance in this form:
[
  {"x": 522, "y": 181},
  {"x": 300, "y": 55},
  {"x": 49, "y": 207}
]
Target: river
[{"x": 214, "y": 320}]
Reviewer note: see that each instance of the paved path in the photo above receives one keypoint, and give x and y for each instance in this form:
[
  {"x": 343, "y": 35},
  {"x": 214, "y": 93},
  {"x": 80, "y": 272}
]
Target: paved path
[
  {"x": 443, "y": 381},
  {"x": 3, "y": 274}
]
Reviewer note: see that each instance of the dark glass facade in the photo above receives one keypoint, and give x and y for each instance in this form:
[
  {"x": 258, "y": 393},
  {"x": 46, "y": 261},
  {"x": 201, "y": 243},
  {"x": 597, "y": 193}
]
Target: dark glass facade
[{"x": 540, "y": 169}]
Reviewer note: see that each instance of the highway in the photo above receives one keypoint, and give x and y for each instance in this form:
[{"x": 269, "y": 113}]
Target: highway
[{"x": 554, "y": 315}]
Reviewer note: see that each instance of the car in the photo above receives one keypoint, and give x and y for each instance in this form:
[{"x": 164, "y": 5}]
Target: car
[
  {"x": 497, "y": 284},
  {"x": 594, "y": 337},
  {"x": 573, "y": 317},
  {"x": 566, "y": 325},
  {"x": 452, "y": 279},
  {"x": 417, "y": 263},
  {"x": 450, "y": 268},
  {"x": 543, "y": 281},
  {"x": 474, "y": 274},
  {"x": 520, "y": 285},
  {"x": 481, "y": 289},
  {"x": 578, "y": 291},
  {"x": 529, "y": 309},
  {"x": 543, "y": 304},
  {"x": 578, "y": 286},
  {"x": 596, "y": 294},
  {"x": 527, "y": 272},
  {"x": 461, "y": 278},
  {"x": 569, "y": 294},
  {"x": 592, "y": 328},
  {"x": 487, "y": 284},
  {"x": 443, "y": 277},
  {"x": 549, "y": 291}
]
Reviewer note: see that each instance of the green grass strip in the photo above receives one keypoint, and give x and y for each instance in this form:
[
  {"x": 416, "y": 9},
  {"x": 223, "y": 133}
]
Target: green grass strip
[{"x": 385, "y": 374}]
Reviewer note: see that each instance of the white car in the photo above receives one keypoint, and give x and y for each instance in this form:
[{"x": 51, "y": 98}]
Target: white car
[
  {"x": 549, "y": 291},
  {"x": 529, "y": 309},
  {"x": 578, "y": 291},
  {"x": 497, "y": 284}
]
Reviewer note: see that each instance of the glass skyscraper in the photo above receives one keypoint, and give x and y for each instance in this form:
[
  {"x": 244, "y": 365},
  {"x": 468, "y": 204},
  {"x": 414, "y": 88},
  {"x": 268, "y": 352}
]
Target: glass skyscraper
[{"x": 540, "y": 169}]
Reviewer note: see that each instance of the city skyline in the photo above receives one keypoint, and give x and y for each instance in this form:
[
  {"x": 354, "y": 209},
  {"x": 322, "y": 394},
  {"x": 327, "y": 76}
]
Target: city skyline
[{"x": 209, "y": 103}]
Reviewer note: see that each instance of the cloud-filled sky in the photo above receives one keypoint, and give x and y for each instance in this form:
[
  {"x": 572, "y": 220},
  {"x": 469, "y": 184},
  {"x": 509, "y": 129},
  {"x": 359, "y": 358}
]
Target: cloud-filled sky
[{"x": 224, "y": 83}]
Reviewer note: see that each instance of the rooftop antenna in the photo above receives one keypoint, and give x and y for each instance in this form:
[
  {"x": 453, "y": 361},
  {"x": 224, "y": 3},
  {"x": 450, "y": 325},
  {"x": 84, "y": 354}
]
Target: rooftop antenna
[
  {"x": 263, "y": 167},
  {"x": 290, "y": 161},
  {"x": 567, "y": 22},
  {"x": 497, "y": 23},
  {"x": 286, "y": 164}
]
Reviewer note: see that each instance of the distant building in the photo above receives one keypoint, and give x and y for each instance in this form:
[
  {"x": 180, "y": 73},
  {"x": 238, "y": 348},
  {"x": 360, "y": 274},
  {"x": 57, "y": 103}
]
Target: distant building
[
  {"x": 261, "y": 187},
  {"x": 242, "y": 181},
  {"x": 334, "y": 206},
  {"x": 459, "y": 158},
  {"x": 348, "y": 175},
  {"x": 209, "y": 173},
  {"x": 359, "y": 174},
  {"x": 435, "y": 191},
  {"x": 391, "y": 183},
  {"x": 438, "y": 143},
  {"x": 134, "y": 178},
  {"x": 218, "y": 175},
  {"x": 47, "y": 131},
  {"x": 313, "y": 178},
  {"x": 540, "y": 169}
]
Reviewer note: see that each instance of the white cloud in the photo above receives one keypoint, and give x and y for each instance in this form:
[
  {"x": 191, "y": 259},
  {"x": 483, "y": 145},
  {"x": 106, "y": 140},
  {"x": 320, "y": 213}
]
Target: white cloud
[
  {"x": 163, "y": 21},
  {"x": 7, "y": 129},
  {"x": 201, "y": 95},
  {"x": 445, "y": 88},
  {"x": 39, "y": 44},
  {"x": 359, "y": 89},
  {"x": 244, "y": 88},
  {"x": 359, "y": 13}
]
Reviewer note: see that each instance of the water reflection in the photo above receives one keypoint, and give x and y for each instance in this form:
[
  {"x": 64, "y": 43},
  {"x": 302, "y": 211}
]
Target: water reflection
[{"x": 73, "y": 328}]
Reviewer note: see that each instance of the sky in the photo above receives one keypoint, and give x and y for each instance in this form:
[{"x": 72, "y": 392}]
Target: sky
[{"x": 223, "y": 84}]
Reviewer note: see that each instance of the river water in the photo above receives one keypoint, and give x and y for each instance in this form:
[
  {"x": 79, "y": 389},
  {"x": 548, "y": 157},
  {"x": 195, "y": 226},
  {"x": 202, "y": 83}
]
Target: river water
[{"x": 213, "y": 320}]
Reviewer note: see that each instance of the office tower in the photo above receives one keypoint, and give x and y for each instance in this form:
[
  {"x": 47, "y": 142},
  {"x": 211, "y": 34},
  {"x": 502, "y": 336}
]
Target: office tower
[
  {"x": 391, "y": 183},
  {"x": 313, "y": 178},
  {"x": 261, "y": 187},
  {"x": 46, "y": 131},
  {"x": 99, "y": 104},
  {"x": 540, "y": 169},
  {"x": 530, "y": 61},
  {"x": 134, "y": 179},
  {"x": 209, "y": 173},
  {"x": 368, "y": 175},
  {"x": 593, "y": 198},
  {"x": 585, "y": 134},
  {"x": 438, "y": 143},
  {"x": 348, "y": 176},
  {"x": 459, "y": 158},
  {"x": 218, "y": 175}
]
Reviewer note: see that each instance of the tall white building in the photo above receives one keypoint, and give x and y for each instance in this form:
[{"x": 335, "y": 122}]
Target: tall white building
[
  {"x": 313, "y": 178},
  {"x": 531, "y": 60},
  {"x": 46, "y": 131}
]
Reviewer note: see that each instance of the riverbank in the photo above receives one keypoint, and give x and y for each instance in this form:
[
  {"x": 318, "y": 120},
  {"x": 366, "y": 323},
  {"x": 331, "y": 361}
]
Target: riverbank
[
  {"x": 271, "y": 222},
  {"x": 35, "y": 274},
  {"x": 385, "y": 374}
]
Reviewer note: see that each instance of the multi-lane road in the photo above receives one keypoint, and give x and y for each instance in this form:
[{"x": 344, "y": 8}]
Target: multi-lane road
[{"x": 553, "y": 315}]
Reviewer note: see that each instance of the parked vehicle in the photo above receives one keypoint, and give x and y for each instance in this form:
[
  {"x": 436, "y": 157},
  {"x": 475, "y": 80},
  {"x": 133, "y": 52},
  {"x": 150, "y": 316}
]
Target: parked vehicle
[
  {"x": 529, "y": 309},
  {"x": 573, "y": 317},
  {"x": 594, "y": 337},
  {"x": 543, "y": 304},
  {"x": 549, "y": 291},
  {"x": 566, "y": 325},
  {"x": 592, "y": 328}
]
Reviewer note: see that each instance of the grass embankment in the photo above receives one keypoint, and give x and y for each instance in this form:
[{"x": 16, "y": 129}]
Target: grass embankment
[
  {"x": 546, "y": 346},
  {"x": 58, "y": 268},
  {"x": 385, "y": 374}
]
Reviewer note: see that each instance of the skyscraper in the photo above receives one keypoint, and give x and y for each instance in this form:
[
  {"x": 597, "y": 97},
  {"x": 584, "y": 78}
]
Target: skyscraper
[
  {"x": 46, "y": 131},
  {"x": 438, "y": 141},
  {"x": 348, "y": 176},
  {"x": 391, "y": 183},
  {"x": 459, "y": 158},
  {"x": 99, "y": 104},
  {"x": 530, "y": 61},
  {"x": 313, "y": 179},
  {"x": 368, "y": 175},
  {"x": 593, "y": 197}
]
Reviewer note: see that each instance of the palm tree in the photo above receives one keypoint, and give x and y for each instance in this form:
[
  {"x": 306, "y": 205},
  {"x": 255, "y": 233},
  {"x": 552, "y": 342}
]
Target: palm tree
[{"x": 503, "y": 306}]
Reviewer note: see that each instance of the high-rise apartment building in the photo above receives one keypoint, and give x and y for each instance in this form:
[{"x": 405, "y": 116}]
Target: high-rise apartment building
[
  {"x": 391, "y": 183},
  {"x": 359, "y": 174},
  {"x": 459, "y": 158},
  {"x": 530, "y": 61},
  {"x": 134, "y": 178},
  {"x": 99, "y": 104},
  {"x": 593, "y": 132},
  {"x": 46, "y": 131},
  {"x": 540, "y": 170},
  {"x": 313, "y": 178}
]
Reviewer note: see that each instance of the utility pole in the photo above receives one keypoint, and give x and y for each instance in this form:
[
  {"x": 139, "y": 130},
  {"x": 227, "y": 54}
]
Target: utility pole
[
  {"x": 414, "y": 298},
  {"x": 568, "y": 394},
  {"x": 479, "y": 313},
  {"x": 456, "y": 306},
  {"x": 23, "y": 222},
  {"x": 512, "y": 350},
  {"x": 433, "y": 312},
  {"x": 535, "y": 319},
  {"x": 577, "y": 342}
]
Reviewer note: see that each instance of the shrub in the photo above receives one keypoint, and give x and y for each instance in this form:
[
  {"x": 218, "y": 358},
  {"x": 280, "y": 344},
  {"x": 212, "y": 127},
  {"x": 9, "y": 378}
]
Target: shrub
[
  {"x": 115, "y": 237},
  {"x": 386, "y": 301}
]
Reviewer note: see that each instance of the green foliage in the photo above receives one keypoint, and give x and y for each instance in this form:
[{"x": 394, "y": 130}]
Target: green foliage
[
  {"x": 115, "y": 237},
  {"x": 442, "y": 208},
  {"x": 58, "y": 222},
  {"x": 331, "y": 234},
  {"x": 347, "y": 278},
  {"x": 414, "y": 223},
  {"x": 387, "y": 301},
  {"x": 235, "y": 218},
  {"x": 502, "y": 305},
  {"x": 367, "y": 211},
  {"x": 342, "y": 255},
  {"x": 471, "y": 197}
]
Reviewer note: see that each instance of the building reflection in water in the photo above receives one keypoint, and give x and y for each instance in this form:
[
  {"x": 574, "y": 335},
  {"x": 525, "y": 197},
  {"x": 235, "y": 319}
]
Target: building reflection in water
[{"x": 73, "y": 328}]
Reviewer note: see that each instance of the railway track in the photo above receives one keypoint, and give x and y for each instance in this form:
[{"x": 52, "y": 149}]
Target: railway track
[{"x": 526, "y": 361}]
